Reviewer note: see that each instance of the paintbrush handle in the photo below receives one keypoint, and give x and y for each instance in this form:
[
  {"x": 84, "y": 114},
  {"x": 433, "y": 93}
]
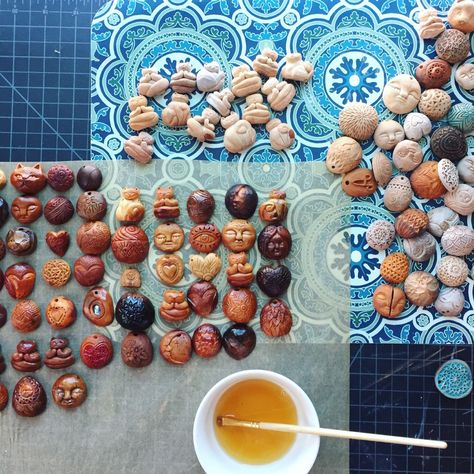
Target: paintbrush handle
[{"x": 262, "y": 425}]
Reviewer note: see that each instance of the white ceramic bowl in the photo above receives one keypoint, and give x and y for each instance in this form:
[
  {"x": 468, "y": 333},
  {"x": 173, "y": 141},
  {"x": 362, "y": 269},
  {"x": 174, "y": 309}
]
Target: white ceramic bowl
[{"x": 214, "y": 460}]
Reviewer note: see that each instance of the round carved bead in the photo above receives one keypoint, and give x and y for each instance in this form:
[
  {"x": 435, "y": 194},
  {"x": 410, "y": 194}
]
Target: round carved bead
[
  {"x": 168, "y": 237},
  {"x": 205, "y": 238},
  {"x": 26, "y": 358},
  {"x": 93, "y": 237},
  {"x": 176, "y": 347},
  {"x": 3, "y": 316},
  {"x": 417, "y": 126},
  {"x": 20, "y": 280},
  {"x": 56, "y": 272},
  {"x": 238, "y": 235},
  {"x": 407, "y": 155},
  {"x": 462, "y": 116},
  {"x": 421, "y": 288},
  {"x": 28, "y": 179},
  {"x": 453, "y": 46},
  {"x": 3, "y": 366},
  {"x": 58, "y": 210},
  {"x": 202, "y": 297},
  {"x": 207, "y": 341},
  {"x": 411, "y": 223},
  {"x": 359, "y": 183},
  {"x": 274, "y": 281},
  {"x": 134, "y": 311},
  {"x": 21, "y": 241},
  {"x": 137, "y": 350},
  {"x": 452, "y": 271},
  {"x": 380, "y": 235},
  {"x": 344, "y": 154},
  {"x": 276, "y": 319},
  {"x": 60, "y": 312},
  {"x": 433, "y": 73},
  {"x": 60, "y": 177},
  {"x": 59, "y": 355},
  {"x": 96, "y": 351},
  {"x": 239, "y": 341},
  {"x": 169, "y": 269},
  {"x": 240, "y": 305},
  {"x": 398, "y": 194},
  {"x": 461, "y": 200},
  {"x": 89, "y": 178},
  {"x": 434, "y": 103},
  {"x": 394, "y": 268},
  {"x": 465, "y": 167},
  {"x": 450, "y": 302},
  {"x": 458, "y": 240},
  {"x": 89, "y": 270},
  {"x": 274, "y": 242},
  {"x": 91, "y": 206},
  {"x": 448, "y": 142},
  {"x": 69, "y": 391},
  {"x": 98, "y": 306},
  {"x": 358, "y": 121},
  {"x": 26, "y": 316},
  {"x": 58, "y": 242},
  {"x": 174, "y": 307},
  {"x": 426, "y": 182},
  {"x": 29, "y": 397},
  {"x": 420, "y": 248},
  {"x": 26, "y": 209},
  {"x": 200, "y": 206},
  {"x": 130, "y": 244},
  {"x": 389, "y": 301},
  {"x": 441, "y": 218},
  {"x": 241, "y": 201},
  {"x": 3, "y": 397}
]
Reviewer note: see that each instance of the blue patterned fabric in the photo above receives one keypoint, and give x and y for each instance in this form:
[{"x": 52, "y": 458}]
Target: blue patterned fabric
[{"x": 355, "y": 46}]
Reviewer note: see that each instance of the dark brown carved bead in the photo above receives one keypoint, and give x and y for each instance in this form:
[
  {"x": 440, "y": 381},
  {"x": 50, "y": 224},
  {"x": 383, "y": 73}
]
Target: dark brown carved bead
[
  {"x": 3, "y": 397},
  {"x": 174, "y": 306},
  {"x": 89, "y": 178},
  {"x": 58, "y": 242},
  {"x": 137, "y": 350},
  {"x": 239, "y": 341},
  {"x": 4, "y": 211},
  {"x": 60, "y": 177},
  {"x": 274, "y": 242},
  {"x": 274, "y": 281},
  {"x": 3, "y": 249},
  {"x": 98, "y": 306},
  {"x": 200, "y": 206},
  {"x": 28, "y": 179},
  {"x": 165, "y": 205},
  {"x": 69, "y": 391},
  {"x": 176, "y": 347},
  {"x": 449, "y": 143},
  {"x": 26, "y": 209},
  {"x": 2, "y": 279},
  {"x": 60, "y": 312},
  {"x": 58, "y": 210},
  {"x": 29, "y": 397},
  {"x": 202, "y": 297},
  {"x": 3, "y": 316},
  {"x": 96, "y": 351},
  {"x": 275, "y": 318},
  {"x": 89, "y": 270},
  {"x": 239, "y": 305},
  {"x": 130, "y": 244},
  {"x": 91, "y": 206},
  {"x": 205, "y": 238},
  {"x": 59, "y": 355},
  {"x": 241, "y": 201},
  {"x": 207, "y": 341},
  {"x": 93, "y": 237},
  {"x": 26, "y": 358},
  {"x": 134, "y": 311},
  {"x": 2, "y": 362},
  {"x": 20, "y": 280},
  {"x": 26, "y": 316},
  {"x": 21, "y": 241}
]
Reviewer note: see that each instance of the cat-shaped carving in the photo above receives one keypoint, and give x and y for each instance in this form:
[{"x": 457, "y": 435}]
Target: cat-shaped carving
[{"x": 28, "y": 179}]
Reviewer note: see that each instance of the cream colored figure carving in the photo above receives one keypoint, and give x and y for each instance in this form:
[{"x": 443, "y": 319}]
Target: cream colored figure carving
[
  {"x": 152, "y": 84},
  {"x": 266, "y": 63},
  {"x": 245, "y": 81},
  {"x": 431, "y": 25},
  {"x": 183, "y": 80},
  {"x": 279, "y": 93},
  {"x": 140, "y": 147},
  {"x": 281, "y": 135},
  {"x": 256, "y": 112},
  {"x": 461, "y": 15},
  {"x": 177, "y": 112},
  {"x": 203, "y": 127},
  {"x": 130, "y": 209},
  {"x": 221, "y": 101},
  {"x": 239, "y": 134},
  {"x": 142, "y": 115},
  {"x": 210, "y": 78},
  {"x": 296, "y": 69},
  {"x": 206, "y": 267}
]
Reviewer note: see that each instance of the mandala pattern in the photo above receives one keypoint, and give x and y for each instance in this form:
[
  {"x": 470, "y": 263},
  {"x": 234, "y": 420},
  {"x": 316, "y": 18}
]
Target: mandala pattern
[
  {"x": 454, "y": 379},
  {"x": 355, "y": 45}
]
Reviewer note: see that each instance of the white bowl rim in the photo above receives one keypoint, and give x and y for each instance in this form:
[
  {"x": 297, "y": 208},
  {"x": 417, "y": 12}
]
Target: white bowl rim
[{"x": 249, "y": 374}]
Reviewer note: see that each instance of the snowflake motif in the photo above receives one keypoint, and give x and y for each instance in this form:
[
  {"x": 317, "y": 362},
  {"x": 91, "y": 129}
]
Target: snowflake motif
[
  {"x": 114, "y": 144},
  {"x": 290, "y": 19},
  {"x": 341, "y": 249},
  {"x": 114, "y": 19},
  {"x": 241, "y": 19},
  {"x": 368, "y": 258},
  {"x": 423, "y": 320},
  {"x": 470, "y": 320},
  {"x": 355, "y": 82},
  {"x": 448, "y": 336}
]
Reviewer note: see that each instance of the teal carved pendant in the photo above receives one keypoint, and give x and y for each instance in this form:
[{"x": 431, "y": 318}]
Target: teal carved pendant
[{"x": 454, "y": 379}]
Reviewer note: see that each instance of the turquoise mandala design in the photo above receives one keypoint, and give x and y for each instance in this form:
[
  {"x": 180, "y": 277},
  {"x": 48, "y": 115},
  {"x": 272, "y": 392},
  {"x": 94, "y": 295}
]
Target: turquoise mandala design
[{"x": 454, "y": 379}]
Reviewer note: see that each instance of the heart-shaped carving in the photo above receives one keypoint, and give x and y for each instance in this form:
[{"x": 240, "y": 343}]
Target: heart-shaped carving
[
  {"x": 58, "y": 242},
  {"x": 274, "y": 281},
  {"x": 170, "y": 269},
  {"x": 206, "y": 267}
]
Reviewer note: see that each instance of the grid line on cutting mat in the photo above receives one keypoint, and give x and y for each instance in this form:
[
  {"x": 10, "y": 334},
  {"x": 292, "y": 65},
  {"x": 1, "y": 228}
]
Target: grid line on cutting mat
[
  {"x": 45, "y": 79},
  {"x": 393, "y": 392}
]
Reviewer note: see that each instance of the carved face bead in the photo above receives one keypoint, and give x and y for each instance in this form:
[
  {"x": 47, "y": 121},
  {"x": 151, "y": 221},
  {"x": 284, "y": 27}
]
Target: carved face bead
[
  {"x": 274, "y": 242},
  {"x": 241, "y": 201},
  {"x": 69, "y": 391},
  {"x": 205, "y": 238},
  {"x": 168, "y": 237},
  {"x": 20, "y": 280},
  {"x": 98, "y": 306},
  {"x": 26, "y": 209},
  {"x": 200, "y": 206},
  {"x": 28, "y": 179},
  {"x": 238, "y": 235},
  {"x": 96, "y": 351}
]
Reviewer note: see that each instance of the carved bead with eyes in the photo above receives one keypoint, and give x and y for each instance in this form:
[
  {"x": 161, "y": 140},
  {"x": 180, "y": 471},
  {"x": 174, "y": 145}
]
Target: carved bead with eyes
[
  {"x": 407, "y": 155},
  {"x": 461, "y": 15},
  {"x": 168, "y": 237},
  {"x": 388, "y": 134},
  {"x": 274, "y": 242},
  {"x": 28, "y": 179},
  {"x": 238, "y": 235},
  {"x": 465, "y": 76},
  {"x": 20, "y": 280},
  {"x": 402, "y": 94},
  {"x": 205, "y": 238},
  {"x": 130, "y": 209},
  {"x": 26, "y": 209},
  {"x": 69, "y": 391}
]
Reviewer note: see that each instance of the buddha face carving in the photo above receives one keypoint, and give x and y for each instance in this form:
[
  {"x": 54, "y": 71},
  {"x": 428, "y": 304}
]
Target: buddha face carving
[
  {"x": 26, "y": 209},
  {"x": 274, "y": 242},
  {"x": 69, "y": 391},
  {"x": 402, "y": 94},
  {"x": 465, "y": 76},
  {"x": 461, "y": 16},
  {"x": 388, "y": 134},
  {"x": 168, "y": 237},
  {"x": 238, "y": 235}
]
